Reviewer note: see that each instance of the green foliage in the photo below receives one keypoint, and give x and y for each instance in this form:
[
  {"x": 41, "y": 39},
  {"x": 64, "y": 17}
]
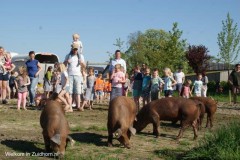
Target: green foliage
[
  {"x": 157, "y": 49},
  {"x": 211, "y": 86},
  {"x": 224, "y": 85},
  {"x": 224, "y": 143},
  {"x": 228, "y": 42}
]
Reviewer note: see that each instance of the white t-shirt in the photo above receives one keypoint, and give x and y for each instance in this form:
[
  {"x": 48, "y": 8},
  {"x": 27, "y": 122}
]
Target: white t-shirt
[
  {"x": 118, "y": 61},
  {"x": 73, "y": 67},
  {"x": 198, "y": 84},
  {"x": 64, "y": 75},
  {"x": 179, "y": 77}
]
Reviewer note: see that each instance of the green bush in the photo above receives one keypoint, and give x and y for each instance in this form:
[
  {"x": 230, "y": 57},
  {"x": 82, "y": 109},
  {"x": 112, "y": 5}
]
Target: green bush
[
  {"x": 211, "y": 86},
  {"x": 225, "y": 86},
  {"x": 224, "y": 143}
]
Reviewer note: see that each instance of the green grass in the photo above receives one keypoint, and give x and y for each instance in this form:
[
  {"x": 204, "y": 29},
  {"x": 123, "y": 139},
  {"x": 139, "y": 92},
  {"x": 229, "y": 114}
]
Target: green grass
[{"x": 224, "y": 143}]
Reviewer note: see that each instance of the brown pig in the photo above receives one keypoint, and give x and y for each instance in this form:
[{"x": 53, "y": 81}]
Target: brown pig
[
  {"x": 55, "y": 127},
  {"x": 169, "y": 109},
  {"x": 210, "y": 108},
  {"x": 121, "y": 115}
]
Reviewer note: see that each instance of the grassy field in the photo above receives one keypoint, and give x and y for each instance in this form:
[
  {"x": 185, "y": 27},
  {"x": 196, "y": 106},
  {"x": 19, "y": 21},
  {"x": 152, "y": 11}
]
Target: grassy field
[{"x": 20, "y": 132}]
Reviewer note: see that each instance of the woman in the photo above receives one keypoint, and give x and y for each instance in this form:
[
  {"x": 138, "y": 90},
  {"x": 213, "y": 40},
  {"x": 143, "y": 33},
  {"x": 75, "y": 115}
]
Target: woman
[
  {"x": 4, "y": 76},
  {"x": 47, "y": 82},
  {"x": 34, "y": 68},
  {"x": 205, "y": 82}
]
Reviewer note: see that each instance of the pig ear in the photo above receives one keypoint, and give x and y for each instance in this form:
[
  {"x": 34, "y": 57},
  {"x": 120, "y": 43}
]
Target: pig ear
[
  {"x": 132, "y": 130},
  {"x": 56, "y": 139}
]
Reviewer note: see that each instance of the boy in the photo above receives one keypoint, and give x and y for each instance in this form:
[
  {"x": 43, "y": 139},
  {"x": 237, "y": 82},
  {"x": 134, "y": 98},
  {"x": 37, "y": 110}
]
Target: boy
[
  {"x": 156, "y": 83},
  {"x": 146, "y": 86}
]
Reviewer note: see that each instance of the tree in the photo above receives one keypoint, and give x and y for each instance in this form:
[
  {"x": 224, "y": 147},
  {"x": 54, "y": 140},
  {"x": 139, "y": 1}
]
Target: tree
[
  {"x": 228, "y": 42},
  {"x": 198, "y": 58},
  {"x": 157, "y": 48}
]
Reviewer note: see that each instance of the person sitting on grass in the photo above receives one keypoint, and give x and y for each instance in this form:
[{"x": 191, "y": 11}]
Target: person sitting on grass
[{"x": 21, "y": 82}]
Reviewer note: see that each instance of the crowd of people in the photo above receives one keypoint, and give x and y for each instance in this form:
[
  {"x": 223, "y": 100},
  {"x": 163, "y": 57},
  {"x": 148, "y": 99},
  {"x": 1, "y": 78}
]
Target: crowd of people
[{"x": 74, "y": 82}]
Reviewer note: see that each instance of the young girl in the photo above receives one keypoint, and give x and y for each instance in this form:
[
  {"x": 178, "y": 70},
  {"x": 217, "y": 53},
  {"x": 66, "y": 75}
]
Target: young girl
[
  {"x": 8, "y": 63},
  {"x": 64, "y": 93},
  {"x": 47, "y": 81},
  {"x": 99, "y": 88},
  {"x": 198, "y": 86},
  {"x": 118, "y": 78},
  {"x": 186, "y": 91},
  {"x": 21, "y": 82},
  {"x": 39, "y": 96},
  {"x": 156, "y": 84},
  {"x": 169, "y": 82},
  {"x": 90, "y": 89}
]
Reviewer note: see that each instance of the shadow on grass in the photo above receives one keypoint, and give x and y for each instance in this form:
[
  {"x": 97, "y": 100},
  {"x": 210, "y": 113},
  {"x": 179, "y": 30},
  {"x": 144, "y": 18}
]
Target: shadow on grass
[
  {"x": 150, "y": 134},
  {"x": 176, "y": 154},
  {"x": 90, "y": 138},
  {"x": 22, "y": 146},
  {"x": 171, "y": 125}
]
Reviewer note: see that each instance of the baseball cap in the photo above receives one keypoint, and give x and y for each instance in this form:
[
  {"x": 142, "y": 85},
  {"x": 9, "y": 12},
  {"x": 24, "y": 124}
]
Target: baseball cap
[{"x": 75, "y": 46}]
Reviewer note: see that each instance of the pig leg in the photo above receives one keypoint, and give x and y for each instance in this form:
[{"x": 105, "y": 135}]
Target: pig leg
[
  {"x": 47, "y": 143},
  {"x": 62, "y": 147},
  {"x": 156, "y": 124},
  {"x": 184, "y": 125},
  {"x": 110, "y": 138},
  {"x": 194, "y": 125},
  {"x": 211, "y": 121},
  {"x": 208, "y": 120},
  {"x": 124, "y": 140}
]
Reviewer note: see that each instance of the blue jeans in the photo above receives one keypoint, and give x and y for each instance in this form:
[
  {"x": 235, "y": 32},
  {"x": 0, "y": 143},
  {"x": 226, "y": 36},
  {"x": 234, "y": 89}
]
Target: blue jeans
[
  {"x": 32, "y": 87},
  {"x": 74, "y": 84}
]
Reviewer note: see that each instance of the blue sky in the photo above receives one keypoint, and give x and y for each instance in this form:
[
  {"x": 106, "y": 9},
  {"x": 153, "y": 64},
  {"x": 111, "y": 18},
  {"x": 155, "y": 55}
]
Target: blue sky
[{"x": 47, "y": 25}]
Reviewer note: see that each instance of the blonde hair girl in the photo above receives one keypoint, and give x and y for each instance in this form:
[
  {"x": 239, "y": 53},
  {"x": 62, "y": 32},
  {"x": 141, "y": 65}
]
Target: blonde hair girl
[{"x": 21, "y": 82}]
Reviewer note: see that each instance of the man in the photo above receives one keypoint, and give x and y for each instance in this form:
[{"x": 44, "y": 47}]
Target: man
[
  {"x": 117, "y": 60},
  {"x": 74, "y": 72},
  {"x": 179, "y": 76},
  {"x": 234, "y": 81}
]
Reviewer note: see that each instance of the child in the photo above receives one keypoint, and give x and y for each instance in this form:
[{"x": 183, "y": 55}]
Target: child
[
  {"x": 137, "y": 85},
  {"x": 118, "y": 79},
  {"x": 127, "y": 85},
  {"x": 198, "y": 86},
  {"x": 78, "y": 43},
  {"x": 47, "y": 81},
  {"x": 21, "y": 82},
  {"x": 63, "y": 95},
  {"x": 169, "y": 82},
  {"x": 90, "y": 89},
  {"x": 146, "y": 86},
  {"x": 156, "y": 83},
  {"x": 8, "y": 63},
  {"x": 39, "y": 96},
  {"x": 186, "y": 91},
  {"x": 12, "y": 84},
  {"x": 107, "y": 88},
  {"x": 99, "y": 88}
]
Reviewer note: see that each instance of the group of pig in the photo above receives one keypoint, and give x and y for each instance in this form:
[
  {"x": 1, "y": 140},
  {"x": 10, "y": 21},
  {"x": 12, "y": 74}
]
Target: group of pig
[{"x": 124, "y": 121}]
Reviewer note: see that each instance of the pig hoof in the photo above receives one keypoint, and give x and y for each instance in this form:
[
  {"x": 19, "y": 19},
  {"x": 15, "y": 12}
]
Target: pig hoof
[
  {"x": 127, "y": 146},
  {"x": 110, "y": 145},
  {"x": 195, "y": 137}
]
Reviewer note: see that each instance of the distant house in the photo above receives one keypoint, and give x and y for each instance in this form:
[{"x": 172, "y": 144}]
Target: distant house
[{"x": 97, "y": 69}]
